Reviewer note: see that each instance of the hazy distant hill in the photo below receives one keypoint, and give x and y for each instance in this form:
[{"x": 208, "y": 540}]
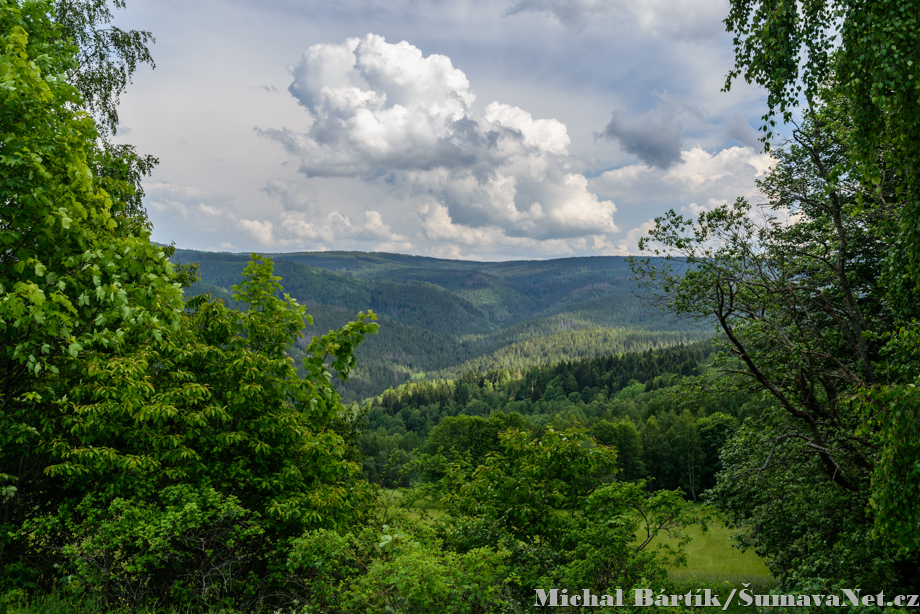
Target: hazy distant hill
[{"x": 441, "y": 317}]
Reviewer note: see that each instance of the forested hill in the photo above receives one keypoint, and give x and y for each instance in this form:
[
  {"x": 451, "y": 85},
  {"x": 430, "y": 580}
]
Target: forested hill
[
  {"x": 444, "y": 317},
  {"x": 661, "y": 433}
]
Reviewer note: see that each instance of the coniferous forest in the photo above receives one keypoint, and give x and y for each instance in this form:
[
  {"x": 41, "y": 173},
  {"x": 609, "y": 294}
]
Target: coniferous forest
[
  {"x": 343, "y": 432},
  {"x": 442, "y": 318}
]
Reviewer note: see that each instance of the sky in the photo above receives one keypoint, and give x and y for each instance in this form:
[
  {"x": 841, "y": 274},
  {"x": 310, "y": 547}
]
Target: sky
[{"x": 469, "y": 129}]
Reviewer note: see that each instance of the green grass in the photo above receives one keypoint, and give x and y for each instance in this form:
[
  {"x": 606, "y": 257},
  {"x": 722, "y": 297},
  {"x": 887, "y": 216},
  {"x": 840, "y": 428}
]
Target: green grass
[
  {"x": 711, "y": 557},
  {"x": 58, "y": 603},
  {"x": 425, "y": 511}
]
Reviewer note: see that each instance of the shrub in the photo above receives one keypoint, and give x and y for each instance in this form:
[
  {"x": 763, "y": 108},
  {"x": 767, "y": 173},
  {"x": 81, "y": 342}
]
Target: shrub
[{"x": 192, "y": 548}]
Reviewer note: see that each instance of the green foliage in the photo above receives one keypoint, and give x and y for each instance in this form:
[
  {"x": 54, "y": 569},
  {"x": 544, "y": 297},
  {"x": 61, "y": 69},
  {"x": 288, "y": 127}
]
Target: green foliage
[
  {"x": 870, "y": 53},
  {"x": 662, "y": 431},
  {"x": 544, "y": 500},
  {"x": 808, "y": 321},
  {"x": 896, "y": 475},
  {"x": 568, "y": 346},
  {"x": 106, "y": 59},
  {"x": 624, "y": 437},
  {"x": 470, "y": 437},
  {"x": 79, "y": 274},
  {"x": 60, "y": 602},
  {"x": 612, "y": 372},
  {"x": 216, "y": 407},
  {"x": 76, "y": 275},
  {"x": 388, "y": 570},
  {"x": 429, "y": 580},
  {"x": 141, "y": 442},
  {"x": 156, "y": 452},
  {"x": 218, "y": 403},
  {"x": 714, "y": 431},
  {"x": 523, "y": 485},
  {"x": 107, "y": 56},
  {"x": 611, "y": 543},
  {"x": 802, "y": 591},
  {"x": 198, "y": 548},
  {"x": 796, "y": 518},
  {"x": 443, "y": 317}
]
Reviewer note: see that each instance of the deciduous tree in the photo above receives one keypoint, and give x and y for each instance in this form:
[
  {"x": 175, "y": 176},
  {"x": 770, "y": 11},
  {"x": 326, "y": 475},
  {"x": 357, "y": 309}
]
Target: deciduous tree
[
  {"x": 78, "y": 273},
  {"x": 795, "y": 287}
]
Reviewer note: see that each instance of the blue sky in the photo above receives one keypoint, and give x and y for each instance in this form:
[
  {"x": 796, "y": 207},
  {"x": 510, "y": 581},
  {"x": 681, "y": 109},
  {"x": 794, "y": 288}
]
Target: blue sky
[{"x": 478, "y": 129}]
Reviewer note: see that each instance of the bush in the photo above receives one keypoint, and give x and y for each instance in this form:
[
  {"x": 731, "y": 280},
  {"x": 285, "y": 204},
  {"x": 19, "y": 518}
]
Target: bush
[
  {"x": 191, "y": 548},
  {"x": 428, "y": 580}
]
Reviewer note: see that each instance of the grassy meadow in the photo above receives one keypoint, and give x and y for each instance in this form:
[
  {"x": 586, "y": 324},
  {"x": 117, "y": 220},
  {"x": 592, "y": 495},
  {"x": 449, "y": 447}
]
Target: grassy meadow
[{"x": 711, "y": 557}]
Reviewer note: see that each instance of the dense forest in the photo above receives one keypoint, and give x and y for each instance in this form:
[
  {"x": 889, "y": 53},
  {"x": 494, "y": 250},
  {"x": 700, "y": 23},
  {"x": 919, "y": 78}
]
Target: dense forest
[
  {"x": 441, "y": 318},
  {"x": 162, "y": 452},
  {"x": 629, "y": 401}
]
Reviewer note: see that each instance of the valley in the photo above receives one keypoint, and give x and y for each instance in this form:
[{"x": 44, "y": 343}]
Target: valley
[{"x": 441, "y": 318}]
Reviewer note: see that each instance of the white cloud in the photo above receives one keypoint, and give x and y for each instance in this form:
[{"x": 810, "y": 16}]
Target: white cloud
[
  {"x": 295, "y": 230},
  {"x": 373, "y": 228},
  {"x": 260, "y": 231},
  {"x": 185, "y": 202},
  {"x": 701, "y": 177},
  {"x": 448, "y": 239},
  {"x": 630, "y": 244},
  {"x": 501, "y": 172},
  {"x": 547, "y": 135},
  {"x": 673, "y": 19},
  {"x": 298, "y": 226},
  {"x": 387, "y": 114},
  {"x": 446, "y": 214},
  {"x": 208, "y": 210},
  {"x": 220, "y": 247}
]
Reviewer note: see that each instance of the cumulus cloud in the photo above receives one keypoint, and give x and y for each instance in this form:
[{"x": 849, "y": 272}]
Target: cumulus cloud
[
  {"x": 185, "y": 202},
  {"x": 655, "y": 137},
  {"x": 624, "y": 246},
  {"x": 702, "y": 182},
  {"x": 450, "y": 239},
  {"x": 666, "y": 18},
  {"x": 373, "y": 228},
  {"x": 296, "y": 230},
  {"x": 299, "y": 225},
  {"x": 259, "y": 230},
  {"x": 389, "y": 115}
]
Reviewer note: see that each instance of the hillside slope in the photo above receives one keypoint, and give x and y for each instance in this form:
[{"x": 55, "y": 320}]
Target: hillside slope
[{"x": 446, "y": 316}]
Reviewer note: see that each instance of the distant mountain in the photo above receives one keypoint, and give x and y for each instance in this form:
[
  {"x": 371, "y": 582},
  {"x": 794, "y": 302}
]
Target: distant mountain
[{"x": 441, "y": 317}]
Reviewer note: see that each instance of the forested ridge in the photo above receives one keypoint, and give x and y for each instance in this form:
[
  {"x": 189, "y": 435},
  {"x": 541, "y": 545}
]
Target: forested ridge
[
  {"x": 164, "y": 450},
  {"x": 440, "y": 318}
]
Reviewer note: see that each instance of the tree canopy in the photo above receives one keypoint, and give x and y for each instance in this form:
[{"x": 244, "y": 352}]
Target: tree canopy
[
  {"x": 869, "y": 52},
  {"x": 797, "y": 288},
  {"x": 120, "y": 402}
]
